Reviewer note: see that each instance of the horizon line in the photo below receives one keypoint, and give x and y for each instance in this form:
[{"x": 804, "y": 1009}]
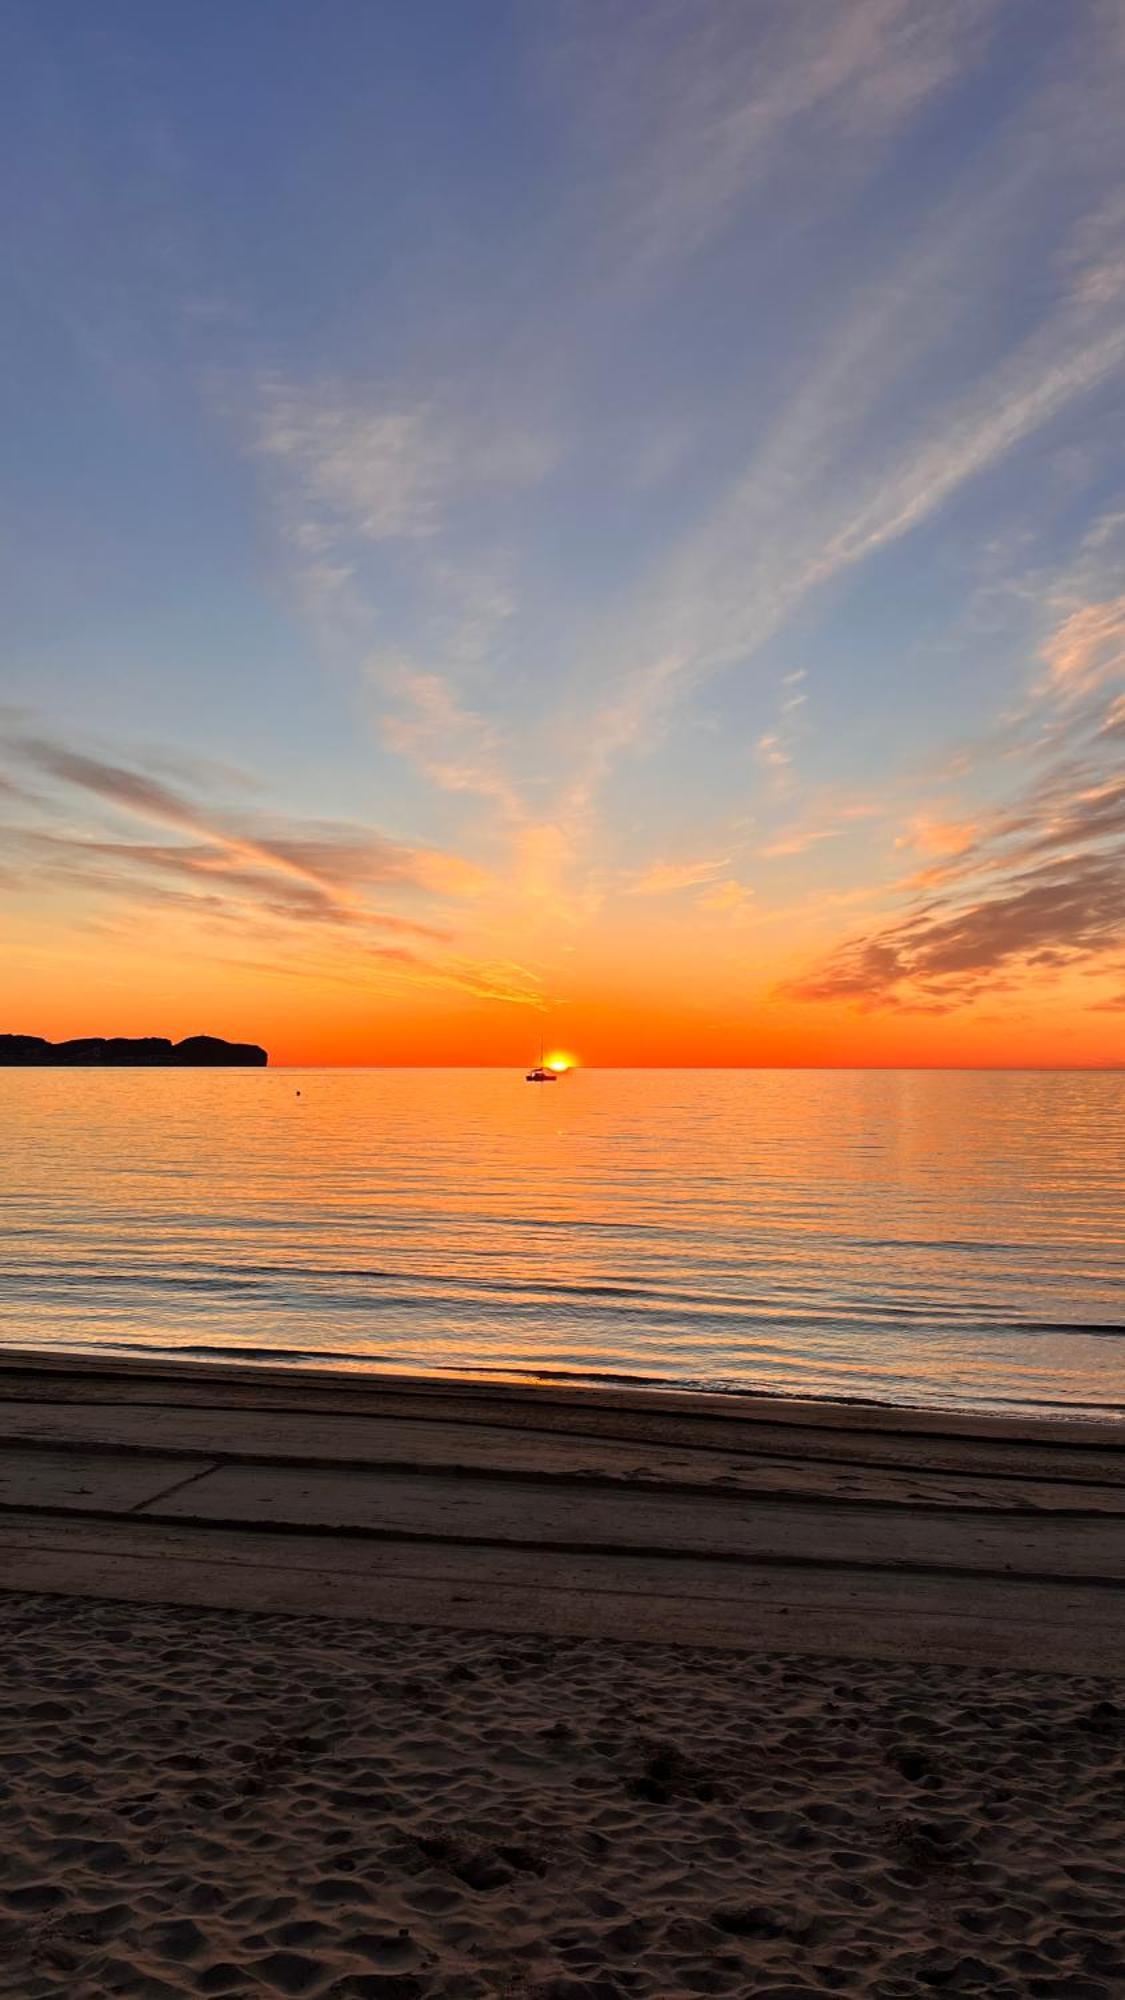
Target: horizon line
[{"x": 1034, "y": 1069}]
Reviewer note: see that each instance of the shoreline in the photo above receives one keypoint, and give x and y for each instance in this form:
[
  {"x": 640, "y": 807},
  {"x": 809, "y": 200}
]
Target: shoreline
[
  {"x": 745, "y": 1522},
  {"x": 279, "y": 1366}
]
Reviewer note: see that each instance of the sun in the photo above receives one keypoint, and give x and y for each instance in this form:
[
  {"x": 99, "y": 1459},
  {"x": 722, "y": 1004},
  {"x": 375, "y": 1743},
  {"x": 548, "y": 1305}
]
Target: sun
[{"x": 560, "y": 1060}]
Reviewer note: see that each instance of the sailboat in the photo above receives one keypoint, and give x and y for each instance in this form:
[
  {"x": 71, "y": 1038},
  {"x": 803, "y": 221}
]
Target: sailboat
[{"x": 541, "y": 1073}]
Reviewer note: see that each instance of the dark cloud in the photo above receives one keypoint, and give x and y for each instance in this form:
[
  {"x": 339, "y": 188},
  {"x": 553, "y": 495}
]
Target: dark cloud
[
  {"x": 1045, "y": 917},
  {"x": 212, "y": 867},
  {"x": 1096, "y": 813},
  {"x": 117, "y": 785},
  {"x": 1041, "y": 888},
  {"x": 340, "y": 857},
  {"x": 302, "y": 885}
]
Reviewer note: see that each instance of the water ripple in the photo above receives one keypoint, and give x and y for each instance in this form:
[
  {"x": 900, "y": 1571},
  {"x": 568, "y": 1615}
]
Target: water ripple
[{"x": 934, "y": 1238}]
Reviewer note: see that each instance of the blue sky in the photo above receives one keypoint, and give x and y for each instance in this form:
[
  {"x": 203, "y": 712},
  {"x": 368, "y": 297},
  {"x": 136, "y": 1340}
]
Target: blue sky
[{"x": 602, "y": 485}]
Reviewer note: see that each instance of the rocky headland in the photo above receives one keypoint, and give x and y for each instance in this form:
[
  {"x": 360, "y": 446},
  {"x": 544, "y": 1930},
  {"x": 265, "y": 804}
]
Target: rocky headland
[{"x": 129, "y": 1052}]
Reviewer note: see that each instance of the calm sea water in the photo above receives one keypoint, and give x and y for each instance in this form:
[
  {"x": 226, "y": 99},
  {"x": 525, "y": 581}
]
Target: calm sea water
[{"x": 910, "y": 1236}]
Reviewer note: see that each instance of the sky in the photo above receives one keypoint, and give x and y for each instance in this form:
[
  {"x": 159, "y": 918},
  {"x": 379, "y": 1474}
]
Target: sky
[{"x": 588, "y": 521}]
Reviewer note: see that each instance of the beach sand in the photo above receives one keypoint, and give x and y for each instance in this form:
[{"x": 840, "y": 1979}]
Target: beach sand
[
  {"x": 200, "y": 1801},
  {"x": 436, "y": 1690}
]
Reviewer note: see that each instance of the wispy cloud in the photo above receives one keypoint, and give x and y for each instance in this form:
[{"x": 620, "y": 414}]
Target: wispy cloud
[
  {"x": 771, "y": 752},
  {"x": 430, "y": 725},
  {"x": 385, "y": 468},
  {"x": 336, "y": 861},
  {"x": 1088, "y": 647},
  {"x": 807, "y": 510},
  {"x": 667, "y": 877},
  {"x": 1093, "y": 261},
  {"x": 797, "y": 841},
  {"x": 927, "y": 834},
  {"x": 698, "y": 109},
  {"x": 1113, "y": 724},
  {"x": 304, "y": 884},
  {"x": 729, "y": 898},
  {"x": 1024, "y": 395}
]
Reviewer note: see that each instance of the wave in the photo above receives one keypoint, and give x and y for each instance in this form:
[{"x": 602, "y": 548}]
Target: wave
[
  {"x": 374, "y": 1363},
  {"x": 418, "y": 1293}
]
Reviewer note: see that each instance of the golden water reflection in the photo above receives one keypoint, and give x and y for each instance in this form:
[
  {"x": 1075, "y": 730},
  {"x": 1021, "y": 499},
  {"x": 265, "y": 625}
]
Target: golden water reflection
[{"x": 935, "y": 1236}]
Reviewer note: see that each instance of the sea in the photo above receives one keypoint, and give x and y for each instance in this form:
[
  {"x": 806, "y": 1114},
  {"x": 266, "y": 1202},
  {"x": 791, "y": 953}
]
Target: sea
[{"x": 934, "y": 1238}]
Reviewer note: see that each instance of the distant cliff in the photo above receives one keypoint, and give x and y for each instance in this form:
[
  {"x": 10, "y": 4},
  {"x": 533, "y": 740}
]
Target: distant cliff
[{"x": 120, "y": 1052}]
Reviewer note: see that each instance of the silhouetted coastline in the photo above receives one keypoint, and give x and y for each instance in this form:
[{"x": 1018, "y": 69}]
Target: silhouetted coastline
[{"x": 130, "y": 1052}]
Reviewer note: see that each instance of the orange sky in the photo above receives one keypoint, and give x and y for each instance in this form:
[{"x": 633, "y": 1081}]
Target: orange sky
[
  {"x": 730, "y": 1015},
  {"x": 608, "y": 530}
]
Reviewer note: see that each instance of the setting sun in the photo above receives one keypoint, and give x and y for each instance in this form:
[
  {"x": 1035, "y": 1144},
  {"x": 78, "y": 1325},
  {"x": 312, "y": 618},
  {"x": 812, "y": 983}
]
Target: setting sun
[{"x": 560, "y": 1060}]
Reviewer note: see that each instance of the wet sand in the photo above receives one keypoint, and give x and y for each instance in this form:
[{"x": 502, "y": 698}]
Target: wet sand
[{"x": 735, "y": 1521}]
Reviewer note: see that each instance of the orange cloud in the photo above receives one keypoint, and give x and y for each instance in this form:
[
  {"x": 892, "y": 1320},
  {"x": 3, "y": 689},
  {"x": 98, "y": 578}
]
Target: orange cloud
[
  {"x": 798, "y": 842},
  {"x": 1089, "y": 646},
  {"x": 665, "y": 877},
  {"x": 942, "y": 837},
  {"x": 727, "y": 898}
]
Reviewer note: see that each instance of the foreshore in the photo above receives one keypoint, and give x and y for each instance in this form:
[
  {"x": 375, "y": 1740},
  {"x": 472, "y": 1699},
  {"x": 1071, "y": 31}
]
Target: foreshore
[
  {"x": 734, "y": 1521},
  {"x": 353, "y": 1686}
]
